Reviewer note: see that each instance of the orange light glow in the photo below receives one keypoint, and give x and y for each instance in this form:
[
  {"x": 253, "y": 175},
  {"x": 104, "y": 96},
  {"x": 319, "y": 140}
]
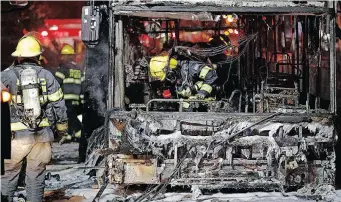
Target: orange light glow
[
  {"x": 5, "y": 96},
  {"x": 230, "y": 18}
]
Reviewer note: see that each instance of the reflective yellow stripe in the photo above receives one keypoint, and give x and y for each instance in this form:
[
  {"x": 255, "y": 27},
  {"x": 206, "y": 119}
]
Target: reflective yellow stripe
[
  {"x": 206, "y": 88},
  {"x": 222, "y": 39},
  {"x": 20, "y": 126},
  {"x": 43, "y": 85},
  {"x": 43, "y": 99},
  {"x": 62, "y": 126},
  {"x": 71, "y": 97},
  {"x": 55, "y": 96},
  {"x": 72, "y": 80},
  {"x": 78, "y": 134},
  {"x": 173, "y": 63},
  {"x": 42, "y": 81},
  {"x": 185, "y": 105},
  {"x": 16, "y": 98},
  {"x": 198, "y": 85},
  {"x": 185, "y": 92},
  {"x": 204, "y": 71},
  {"x": 75, "y": 103},
  {"x": 60, "y": 75}
]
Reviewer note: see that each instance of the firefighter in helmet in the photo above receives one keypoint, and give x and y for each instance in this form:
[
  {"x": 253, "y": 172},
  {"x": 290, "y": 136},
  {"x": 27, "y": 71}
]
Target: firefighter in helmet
[
  {"x": 37, "y": 103},
  {"x": 192, "y": 79},
  {"x": 70, "y": 77}
]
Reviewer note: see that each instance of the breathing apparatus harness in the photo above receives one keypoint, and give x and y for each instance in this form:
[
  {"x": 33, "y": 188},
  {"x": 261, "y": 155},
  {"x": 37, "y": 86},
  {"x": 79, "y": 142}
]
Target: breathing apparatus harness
[{"x": 29, "y": 89}]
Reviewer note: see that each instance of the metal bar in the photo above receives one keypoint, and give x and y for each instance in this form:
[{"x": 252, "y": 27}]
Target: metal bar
[
  {"x": 202, "y": 116},
  {"x": 256, "y": 123},
  {"x": 246, "y": 56},
  {"x": 194, "y": 29},
  {"x": 119, "y": 68},
  {"x": 177, "y": 31},
  {"x": 266, "y": 43},
  {"x": 239, "y": 70},
  {"x": 306, "y": 60},
  {"x": 274, "y": 31},
  {"x": 332, "y": 57},
  {"x": 302, "y": 10},
  {"x": 297, "y": 50},
  {"x": 318, "y": 67},
  {"x": 293, "y": 25},
  {"x": 167, "y": 31},
  {"x": 110, "y": 102},
  {"x": 304, "y": 67},
  {"x": 172, "y": 100}
]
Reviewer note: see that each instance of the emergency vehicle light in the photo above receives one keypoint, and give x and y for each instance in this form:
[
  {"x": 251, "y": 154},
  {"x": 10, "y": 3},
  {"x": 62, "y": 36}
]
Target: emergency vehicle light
[
  {"x": 54, "y": 28},
  {"x": 44, "y": 33}
]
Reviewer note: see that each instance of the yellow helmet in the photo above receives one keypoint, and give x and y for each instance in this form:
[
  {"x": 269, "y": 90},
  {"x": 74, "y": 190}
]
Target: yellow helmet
[
  {"x": 67, "y": 50},
  {"x": 28, "y": 47},
  {"x": 158, "y": 66}
]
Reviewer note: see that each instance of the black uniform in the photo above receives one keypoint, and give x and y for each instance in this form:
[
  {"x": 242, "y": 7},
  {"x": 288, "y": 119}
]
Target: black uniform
[
  {"x": 197, "y": 76},
  {"x": 70, "y": 77}
]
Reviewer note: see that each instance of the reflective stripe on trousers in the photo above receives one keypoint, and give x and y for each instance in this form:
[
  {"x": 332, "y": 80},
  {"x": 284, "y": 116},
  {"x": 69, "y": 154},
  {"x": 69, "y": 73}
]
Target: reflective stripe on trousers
[
  {"x": 20, "y": 126},
  {"x": 71, "y": 97}
]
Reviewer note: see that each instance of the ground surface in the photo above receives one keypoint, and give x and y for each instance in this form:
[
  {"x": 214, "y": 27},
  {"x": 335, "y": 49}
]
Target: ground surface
[{"x": 75, "y": 185}]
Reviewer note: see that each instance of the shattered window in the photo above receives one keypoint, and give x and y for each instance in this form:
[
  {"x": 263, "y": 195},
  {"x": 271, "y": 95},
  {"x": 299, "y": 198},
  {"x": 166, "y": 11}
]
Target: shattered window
[{"x": 262, "y": 63}]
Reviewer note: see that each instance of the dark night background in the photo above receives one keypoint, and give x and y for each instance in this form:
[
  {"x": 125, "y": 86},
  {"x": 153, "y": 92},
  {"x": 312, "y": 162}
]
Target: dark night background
[{"x": 31, "y": 17}]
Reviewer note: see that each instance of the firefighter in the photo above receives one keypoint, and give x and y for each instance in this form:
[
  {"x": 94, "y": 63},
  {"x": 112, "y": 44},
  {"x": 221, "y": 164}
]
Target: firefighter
[
  {"x": 193, "y": 79},
  {"x": 37, "y": 103},
  {"x": 70, "y": 77}
]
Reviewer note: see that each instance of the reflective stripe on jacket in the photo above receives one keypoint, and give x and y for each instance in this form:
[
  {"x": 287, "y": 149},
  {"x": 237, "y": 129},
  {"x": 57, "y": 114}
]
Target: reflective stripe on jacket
[
  {"x": 70, "y": 78},
  {"x": 193, "y": 71},
  {"x": 51, "y": 96}
]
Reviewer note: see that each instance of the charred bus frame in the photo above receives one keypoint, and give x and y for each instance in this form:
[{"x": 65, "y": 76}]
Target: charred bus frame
[{"x": 164, "y": 141}]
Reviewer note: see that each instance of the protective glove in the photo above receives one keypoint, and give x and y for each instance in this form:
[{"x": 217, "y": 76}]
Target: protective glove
[
  {"x": 62, "y": 129},
  {"x": 198, "y": 96},
  {"x": 184, "y": 91},
  {"x": 201, "y": 96}
]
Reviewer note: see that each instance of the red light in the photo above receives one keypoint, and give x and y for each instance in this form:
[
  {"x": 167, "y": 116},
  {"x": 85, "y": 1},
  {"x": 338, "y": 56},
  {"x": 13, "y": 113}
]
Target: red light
[
  {"x": 54, "y": 28},
  {"x": 44, "y": 33}
]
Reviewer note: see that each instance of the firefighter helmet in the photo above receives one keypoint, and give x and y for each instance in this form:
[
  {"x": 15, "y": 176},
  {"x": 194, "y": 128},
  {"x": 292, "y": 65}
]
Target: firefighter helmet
[
  {"x": 158, "y": 66},
  {"x": 67, "y": 50},
  {"x": 28, "y": 47}
]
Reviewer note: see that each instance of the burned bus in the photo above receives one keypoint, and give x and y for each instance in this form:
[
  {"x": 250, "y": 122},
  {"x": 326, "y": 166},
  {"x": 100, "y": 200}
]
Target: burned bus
[{"x": 269, "y": 123}]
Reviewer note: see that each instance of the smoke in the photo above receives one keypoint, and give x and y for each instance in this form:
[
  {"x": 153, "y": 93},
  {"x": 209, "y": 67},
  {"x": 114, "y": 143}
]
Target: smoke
[{"x": 97, "y": 77}]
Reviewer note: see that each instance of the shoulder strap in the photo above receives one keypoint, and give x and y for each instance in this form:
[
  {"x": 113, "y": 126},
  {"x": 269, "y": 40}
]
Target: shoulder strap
[{"x": 18, "y": 82}]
